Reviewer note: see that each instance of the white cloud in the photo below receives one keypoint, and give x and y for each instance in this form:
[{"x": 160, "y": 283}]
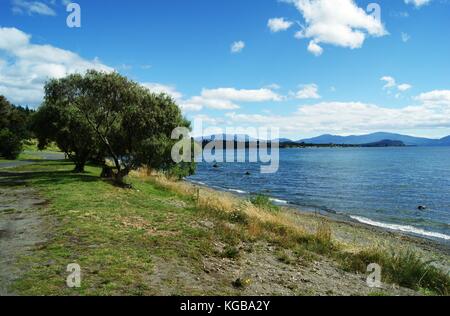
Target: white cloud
[
  {"x": 432, "y": 111},
  {"x": 257, "y": 95},
  {"x": 32, "y": 7},
  {"x": 278, "y": 24},
  {"x": 435, "y": 98},
  {"x": 391, "y": 83},
  {"x": 29, "y": 65},
  {"x": 309, "y": 91},
  {"x": 336, "y": 22},
  {"x": 237, "y": 47},
  {"x": 405, "y": 37},
  {"x": 315, "y": 49},
  {"x": 226, "y": 98},
  {"x": 161, "y": 88},
  {"x": 404, "y": 87},
  {"x": 417, "y": 3}
]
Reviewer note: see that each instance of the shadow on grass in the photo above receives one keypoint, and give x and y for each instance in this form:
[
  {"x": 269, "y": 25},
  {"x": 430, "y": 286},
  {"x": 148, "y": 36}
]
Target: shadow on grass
[{"x": 12, "y": 179}]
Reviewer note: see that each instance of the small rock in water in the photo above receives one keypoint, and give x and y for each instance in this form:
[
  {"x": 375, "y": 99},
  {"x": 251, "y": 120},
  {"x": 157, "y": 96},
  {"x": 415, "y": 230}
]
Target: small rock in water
[{"x": 247, "y": 173}]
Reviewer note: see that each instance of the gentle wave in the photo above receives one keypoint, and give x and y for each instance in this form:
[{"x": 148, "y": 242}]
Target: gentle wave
[
  {"x": 402, "y": 228},
  {"x": 237, "y": 191},
  {"x": 197, "y": 182},
  {"x": 278, "y": 201}
]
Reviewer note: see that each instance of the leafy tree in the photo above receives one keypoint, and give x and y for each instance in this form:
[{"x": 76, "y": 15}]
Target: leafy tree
[
  {"x": 13, "y": 128},
  {"x": 10, "y": 144},
  {"x": 61, "y": 123},
  {"x": 131, "y": 125},
  {"x": 5, "y": 108}
]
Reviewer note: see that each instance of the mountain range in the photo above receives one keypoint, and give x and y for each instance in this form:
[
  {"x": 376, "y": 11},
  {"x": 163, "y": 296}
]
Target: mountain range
[
  {"x": 376, "y": 137},
  {"x": 347, "y": 140}
]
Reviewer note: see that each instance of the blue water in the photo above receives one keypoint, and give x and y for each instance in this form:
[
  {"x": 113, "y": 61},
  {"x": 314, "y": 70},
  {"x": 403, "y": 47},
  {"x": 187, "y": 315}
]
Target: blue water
[{"x": 377, "y": 186}]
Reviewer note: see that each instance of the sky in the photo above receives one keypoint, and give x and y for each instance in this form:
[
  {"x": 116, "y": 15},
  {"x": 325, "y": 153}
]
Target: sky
[{"x": 307, "y": 67}]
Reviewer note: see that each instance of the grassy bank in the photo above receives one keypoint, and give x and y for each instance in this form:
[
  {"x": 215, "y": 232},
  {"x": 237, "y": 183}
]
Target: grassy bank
[{"x": 172, "y": 238}]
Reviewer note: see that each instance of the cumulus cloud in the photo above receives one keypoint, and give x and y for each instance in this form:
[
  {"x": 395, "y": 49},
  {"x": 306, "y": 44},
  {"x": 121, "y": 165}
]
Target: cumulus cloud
[
  {"x": 31, "y": 7},
  {"x": 432, "y": 110},
  {"x": 226, "y": 98},
  {"x": 24, "y": 67},
  {"x": 404, "y": 87},
  {"x": 391, "y": 83},
  {"x": 417, "y": 3},
  {"x": 278, "y": 24},
  {"x": 315, "y": 49},
  {"x": 336, "y": 22},
  {"x": 237, "y": 47},
  {"x": 435, "y": 98},
  {"x": 309, "y": 91}
]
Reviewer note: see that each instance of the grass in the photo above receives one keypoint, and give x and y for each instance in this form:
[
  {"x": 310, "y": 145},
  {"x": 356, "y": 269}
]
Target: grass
[
  {"x": 264, "y": 202},
  {"x": 113, "y": 234},
  {"x": 403, "y": 267},
  {"x": 124, "y": 240},
  {"x": 30, "y": 151}
]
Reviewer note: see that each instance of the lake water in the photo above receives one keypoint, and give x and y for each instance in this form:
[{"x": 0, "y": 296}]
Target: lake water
[{"x": 377, "y": 186}]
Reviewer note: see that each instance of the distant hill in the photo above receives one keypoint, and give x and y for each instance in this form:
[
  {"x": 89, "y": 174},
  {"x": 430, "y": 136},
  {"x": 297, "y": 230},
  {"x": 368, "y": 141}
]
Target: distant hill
[
  {"x": 344, "y": 140},
  {"x": 219, "y": 137},
  {"x": 385, "y": 143},
  {"x": 377, "y": 137}
]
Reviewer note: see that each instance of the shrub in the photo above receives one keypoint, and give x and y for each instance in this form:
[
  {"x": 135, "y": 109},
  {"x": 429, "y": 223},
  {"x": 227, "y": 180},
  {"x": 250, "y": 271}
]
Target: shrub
[
  {"x": 323, "y": 232},
  {"x": 404, "y": 268},
  {"x": 239, "y": 217},
  {"x": 230, "y": 252},
  {"x": 10, "y": 144},
  {"x": 263, "y": 202}
]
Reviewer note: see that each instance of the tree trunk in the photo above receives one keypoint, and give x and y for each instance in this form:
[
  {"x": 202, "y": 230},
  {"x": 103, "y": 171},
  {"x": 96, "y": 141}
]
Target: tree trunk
[
  {"x": 122, "y": 173},
  {"x": 79, "y": 167}
]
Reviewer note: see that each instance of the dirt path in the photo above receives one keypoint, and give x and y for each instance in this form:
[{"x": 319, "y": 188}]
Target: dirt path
[{"x": 21, "y": 227}]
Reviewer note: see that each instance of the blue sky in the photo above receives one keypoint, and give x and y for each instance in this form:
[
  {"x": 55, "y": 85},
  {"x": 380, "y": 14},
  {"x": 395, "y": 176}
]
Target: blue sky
[{"x": 306, "y": 66}]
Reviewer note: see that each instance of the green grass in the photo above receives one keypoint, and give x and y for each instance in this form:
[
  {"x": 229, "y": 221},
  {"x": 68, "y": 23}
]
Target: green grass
[
  {"x": 264, "y": 202},
  {"x": 113, "y": 234},
  {"x": 30, "y": 151},
  {"x": 122, "y": 238},
  {"x": 402, "y": 267}
]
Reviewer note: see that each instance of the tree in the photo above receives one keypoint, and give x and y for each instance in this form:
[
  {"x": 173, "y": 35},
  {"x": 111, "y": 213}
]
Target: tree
[
  {"x": 132, "y": 126},
  {"x": 13, "y": 128},
  {"x": 61, "y": 123}
]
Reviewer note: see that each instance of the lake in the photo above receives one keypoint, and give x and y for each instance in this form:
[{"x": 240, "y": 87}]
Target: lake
[{"x": 377, "y": 186}]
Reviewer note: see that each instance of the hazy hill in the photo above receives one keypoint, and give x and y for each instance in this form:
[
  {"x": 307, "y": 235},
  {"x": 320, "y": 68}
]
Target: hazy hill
[{"x": 377, "y": 137}]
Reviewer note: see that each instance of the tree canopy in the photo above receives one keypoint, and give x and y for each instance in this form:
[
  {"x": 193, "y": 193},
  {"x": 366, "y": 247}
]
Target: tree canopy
[
  {"x": 108, "y": 116},
  {"x": 14, "y": 128}
]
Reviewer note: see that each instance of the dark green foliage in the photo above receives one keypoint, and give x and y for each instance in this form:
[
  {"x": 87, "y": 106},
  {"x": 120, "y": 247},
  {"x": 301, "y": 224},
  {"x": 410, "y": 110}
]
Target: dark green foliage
[
  {"x": 10, "y": 144},
  {"x": 101, "y": 116},
  {"x": 264, "y": 202},
  {"x": 63, "y": 124},
  {"x": 230, "y": 252},
  {"x": 14, "y": 128}
]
